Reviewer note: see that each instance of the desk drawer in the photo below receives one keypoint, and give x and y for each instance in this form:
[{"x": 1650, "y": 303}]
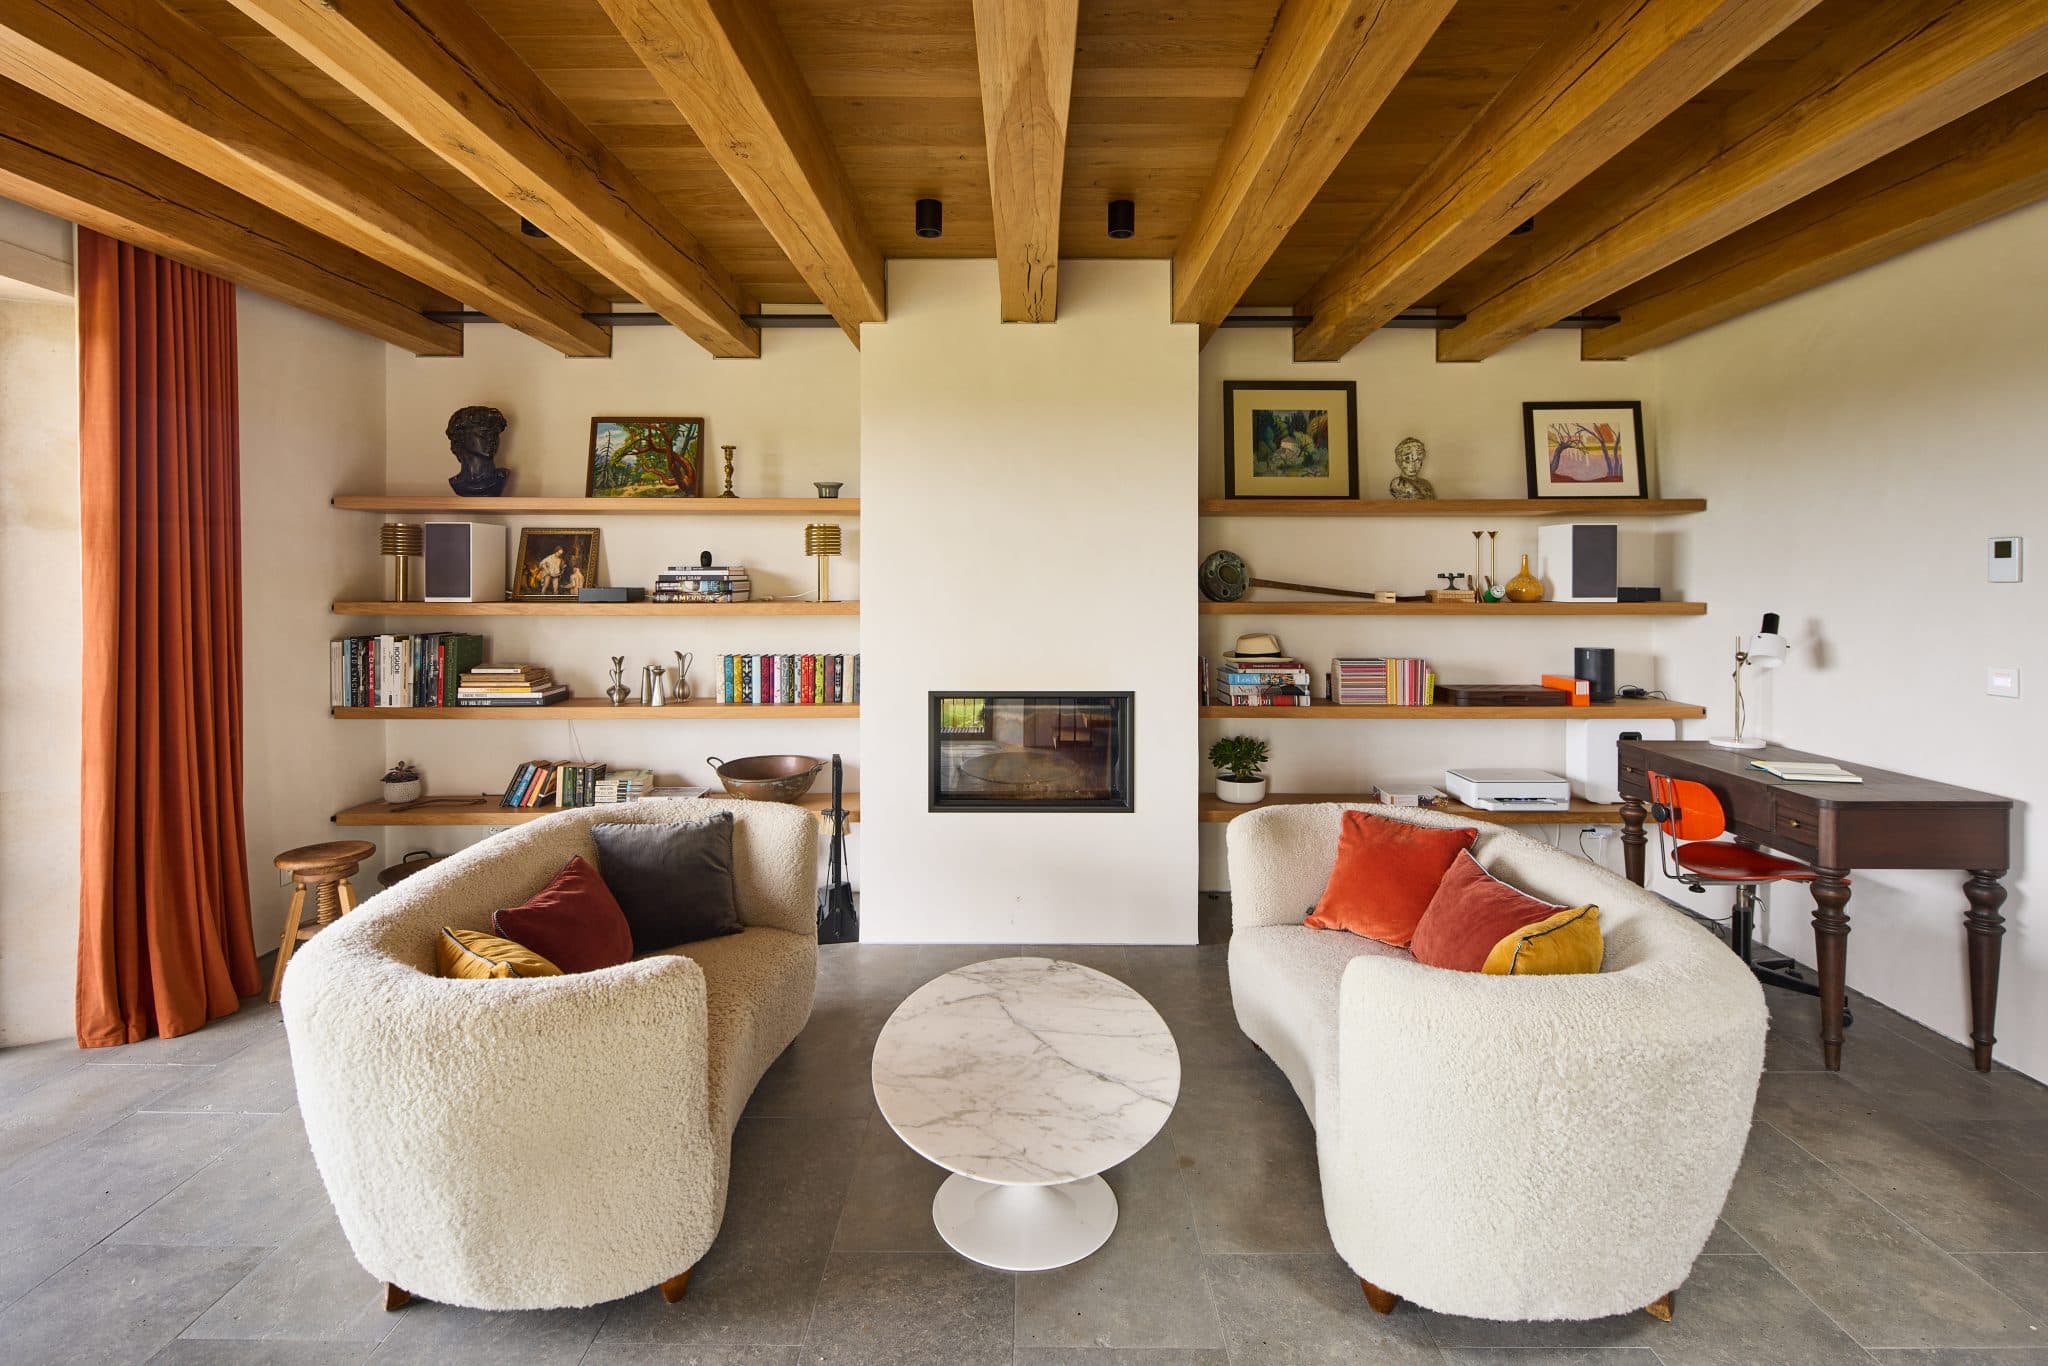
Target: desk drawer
[{"x": 1795, "y": 820}]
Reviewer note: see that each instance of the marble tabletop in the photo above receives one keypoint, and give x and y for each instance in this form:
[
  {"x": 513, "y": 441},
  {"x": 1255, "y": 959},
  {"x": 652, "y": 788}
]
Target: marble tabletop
[{"x": 1026, "y": 1071}]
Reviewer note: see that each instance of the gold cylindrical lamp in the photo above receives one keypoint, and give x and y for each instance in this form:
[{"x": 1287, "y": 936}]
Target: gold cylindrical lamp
[
  {"x": 402, "y": 541},
  {"x": 822, "y": 540}
]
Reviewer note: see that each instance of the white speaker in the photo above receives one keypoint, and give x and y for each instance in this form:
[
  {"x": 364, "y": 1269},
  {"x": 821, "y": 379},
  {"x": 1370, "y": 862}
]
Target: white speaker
[
  {"x": 1581, "y": 561},
  {"x": 465, "y": 562},
  {"x": 1590, "y": 761}
]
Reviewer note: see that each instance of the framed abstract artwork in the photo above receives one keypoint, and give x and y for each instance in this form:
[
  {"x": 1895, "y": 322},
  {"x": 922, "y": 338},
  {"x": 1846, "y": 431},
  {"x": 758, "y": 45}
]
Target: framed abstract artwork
[
  {"x": 645, "y": 457},
  {"x": 1290, "y": 439},
  {"x": 1585, "y": 450}
]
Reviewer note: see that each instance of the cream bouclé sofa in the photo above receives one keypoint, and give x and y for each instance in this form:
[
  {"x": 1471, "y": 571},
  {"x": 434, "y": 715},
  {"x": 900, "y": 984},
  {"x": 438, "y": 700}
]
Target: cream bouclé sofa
[
  {"x": 555, "y": 1141},
  {"x": 1501, "y": 1147}
]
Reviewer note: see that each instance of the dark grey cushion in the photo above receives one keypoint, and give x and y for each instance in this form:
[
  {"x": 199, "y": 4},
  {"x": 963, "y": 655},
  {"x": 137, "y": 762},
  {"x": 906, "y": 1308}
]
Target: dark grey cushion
[{"x": 674, "y": 882}]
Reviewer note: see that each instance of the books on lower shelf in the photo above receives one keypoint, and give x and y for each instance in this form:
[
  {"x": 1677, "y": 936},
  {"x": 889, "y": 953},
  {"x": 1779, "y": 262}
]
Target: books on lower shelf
[
  {"x": 627, "y": 785},
  {"x": 1374, "y": 681},
  {"x": 788, "y": 680},
  {"x": 400, "y": 670},
  {"x": 1274, "y": 682},
  {"x": 554, "y": 782},
  {"x": 509, "y": 685}
]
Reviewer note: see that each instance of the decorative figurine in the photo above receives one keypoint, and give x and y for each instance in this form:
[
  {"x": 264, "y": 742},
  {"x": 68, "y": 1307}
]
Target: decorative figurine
[
  {"x": 1409, "y": 486},
  {"x": 681, "y": 692},
  {"x": 828, "y": 488},
  {"x": 473, "y": 435},
  {"x": 618, "y": 692},
  {"x": 728, "y": 473}
]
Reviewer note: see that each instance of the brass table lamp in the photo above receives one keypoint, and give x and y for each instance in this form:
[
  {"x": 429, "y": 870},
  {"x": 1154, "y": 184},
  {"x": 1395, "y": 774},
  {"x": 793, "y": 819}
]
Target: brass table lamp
[
  {"x": 822, "y": 540},
  {"x": 402, "y": 541}
]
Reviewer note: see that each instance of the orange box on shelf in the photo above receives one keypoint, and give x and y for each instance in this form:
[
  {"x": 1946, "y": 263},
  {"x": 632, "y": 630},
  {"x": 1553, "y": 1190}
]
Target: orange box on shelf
[{"x": 1578, "y": 689}]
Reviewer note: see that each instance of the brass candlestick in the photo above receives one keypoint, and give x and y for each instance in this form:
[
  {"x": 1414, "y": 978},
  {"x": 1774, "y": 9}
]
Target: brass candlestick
[
  {"x": 728, "y": 473},
  {"x": 401, "y": 541},
  {"x": 822, "y": 540}
]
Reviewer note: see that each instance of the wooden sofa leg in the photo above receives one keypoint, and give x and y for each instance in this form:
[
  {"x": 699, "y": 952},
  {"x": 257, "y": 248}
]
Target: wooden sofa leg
[
  {"x": 675, "y": 1287},
  {"x": 395, "y": 1298},
  {"x": 1382, "y": 1301},
  {"x": 1660, "y": 1308}
]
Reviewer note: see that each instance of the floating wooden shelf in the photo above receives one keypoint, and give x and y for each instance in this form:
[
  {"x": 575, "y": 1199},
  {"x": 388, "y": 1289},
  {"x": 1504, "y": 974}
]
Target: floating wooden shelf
[
  {"x": 1352, "y": 607},
  {"x": 1215, "y": 809},
  {"x": 1601, "y": 508},
  {"x": 599, "y": 507},
  {"x": 596, "y": 609},
  {"x": 601, "y": 709},
  {"x": 379, "y": 813},
  {"x": 1623, "y": 710}
]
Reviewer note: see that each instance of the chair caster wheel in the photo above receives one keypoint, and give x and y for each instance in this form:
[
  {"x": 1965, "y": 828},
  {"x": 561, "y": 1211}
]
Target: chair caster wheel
[{"x": 1848, "y": 1017}]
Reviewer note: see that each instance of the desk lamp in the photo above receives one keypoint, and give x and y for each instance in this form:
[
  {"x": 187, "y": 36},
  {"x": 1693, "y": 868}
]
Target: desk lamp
[{"x": 1765, "y": 649}]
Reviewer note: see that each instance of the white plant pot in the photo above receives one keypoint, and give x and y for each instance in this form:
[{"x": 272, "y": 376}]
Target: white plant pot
[
  {"x": 398, "y": 794},
  {"x": 1243, "y": 793}
]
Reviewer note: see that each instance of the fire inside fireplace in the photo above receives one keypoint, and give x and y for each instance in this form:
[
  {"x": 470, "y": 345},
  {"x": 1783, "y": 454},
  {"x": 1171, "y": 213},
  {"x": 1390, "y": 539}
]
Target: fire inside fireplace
[{"x": 1037, "y": 751}]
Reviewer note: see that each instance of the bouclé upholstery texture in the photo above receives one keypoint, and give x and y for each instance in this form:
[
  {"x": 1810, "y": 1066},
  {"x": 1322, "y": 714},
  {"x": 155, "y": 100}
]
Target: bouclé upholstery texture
[
  {"x": 1544, "y": 1147},
  {"x": 556, "y": 1141}
]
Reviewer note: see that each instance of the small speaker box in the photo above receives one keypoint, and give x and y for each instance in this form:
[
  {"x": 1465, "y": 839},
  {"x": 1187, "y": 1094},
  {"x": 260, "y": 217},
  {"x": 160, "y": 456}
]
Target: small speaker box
[
  {"x": 1580, "y": 560},
  {"x": 1591, "y": 761},
  {"x": 1595, "y": 664},
  {"x": 465, "y": 562}
]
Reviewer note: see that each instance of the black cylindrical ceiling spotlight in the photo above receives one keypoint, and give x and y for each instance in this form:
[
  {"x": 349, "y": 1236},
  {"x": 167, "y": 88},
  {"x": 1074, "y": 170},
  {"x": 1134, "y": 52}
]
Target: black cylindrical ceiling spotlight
[
  {"x": 531, "y": 228},
  {"x": 1123, "y": 219},
  {"x": 931, "y": 218}
]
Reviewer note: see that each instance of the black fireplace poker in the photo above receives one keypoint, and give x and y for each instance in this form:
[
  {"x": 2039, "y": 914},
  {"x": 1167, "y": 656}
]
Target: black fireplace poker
[{"x": 838, "y": 920}]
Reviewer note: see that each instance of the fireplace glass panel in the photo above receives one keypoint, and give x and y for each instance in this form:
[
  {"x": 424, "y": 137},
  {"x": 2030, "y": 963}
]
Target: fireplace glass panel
[{"x": 1040, "y": 751}]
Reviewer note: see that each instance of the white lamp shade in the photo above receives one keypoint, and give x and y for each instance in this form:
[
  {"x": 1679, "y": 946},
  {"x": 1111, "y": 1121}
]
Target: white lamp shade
[{"x": 1766, "y": 650}]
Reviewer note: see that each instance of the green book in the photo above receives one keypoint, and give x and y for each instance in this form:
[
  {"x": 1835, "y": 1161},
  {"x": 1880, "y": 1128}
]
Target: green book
[{"x": 465, "y": 653}]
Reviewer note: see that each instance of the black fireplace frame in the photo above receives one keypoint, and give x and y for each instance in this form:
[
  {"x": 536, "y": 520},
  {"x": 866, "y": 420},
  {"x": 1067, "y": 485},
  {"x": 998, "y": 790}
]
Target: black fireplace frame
[{"x": 1124, "y": 758}]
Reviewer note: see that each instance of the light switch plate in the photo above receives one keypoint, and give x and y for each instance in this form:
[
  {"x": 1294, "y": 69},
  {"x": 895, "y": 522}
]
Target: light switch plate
[
  {"x": 2003, "y": 682},
  {"x": 2005, "y": 559}
]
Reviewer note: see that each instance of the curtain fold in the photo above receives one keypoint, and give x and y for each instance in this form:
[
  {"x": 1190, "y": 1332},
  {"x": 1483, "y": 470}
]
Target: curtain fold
[{"x": 163, "y": 939}]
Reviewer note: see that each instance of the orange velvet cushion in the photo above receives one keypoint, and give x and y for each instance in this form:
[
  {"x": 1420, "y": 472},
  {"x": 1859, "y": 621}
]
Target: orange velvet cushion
[
  {"x": 574, "y": 922},
  {"x": 1386, "y": 872},
  {"x": 1471, "y": 913}
]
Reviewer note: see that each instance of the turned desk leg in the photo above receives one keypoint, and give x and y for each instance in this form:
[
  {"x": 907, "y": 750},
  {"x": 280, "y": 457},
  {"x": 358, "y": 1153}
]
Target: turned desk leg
[
  {"x": 1633, "y": 840},
  {"x": 1986, "y": 926},
  {"x": 1831, "y": 953}
]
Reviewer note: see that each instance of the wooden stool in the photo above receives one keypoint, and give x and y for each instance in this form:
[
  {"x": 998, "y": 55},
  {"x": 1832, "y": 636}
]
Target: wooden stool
[{"x": 326, "y": 869}]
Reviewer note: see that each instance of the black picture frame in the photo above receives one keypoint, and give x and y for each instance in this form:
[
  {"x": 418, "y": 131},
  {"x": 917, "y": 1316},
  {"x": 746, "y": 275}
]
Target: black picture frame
[
  {"x": 1124, "y": 778},
  {"x": 1346, "y": 390},
  {"x": 1536, "y": 464}
]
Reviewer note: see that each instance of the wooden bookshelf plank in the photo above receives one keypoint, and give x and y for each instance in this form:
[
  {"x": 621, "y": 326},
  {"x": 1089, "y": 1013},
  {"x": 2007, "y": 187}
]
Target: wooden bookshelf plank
[
  {"x": 1215, "y": 810},
  {"x": 1346, "y": 607},
  {"x": 599, "y": 507},
  {"x": 1623, "y": 709},
  {"x": 1600, "y": 508},
  {"x": 488, "y": 812},
  {"x": 371, "y": 608},
  {"x": 600, "y": 709}
]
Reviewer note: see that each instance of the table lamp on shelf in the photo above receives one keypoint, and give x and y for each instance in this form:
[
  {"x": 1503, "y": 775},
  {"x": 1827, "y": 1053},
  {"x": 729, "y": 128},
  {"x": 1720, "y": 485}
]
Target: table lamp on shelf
[{"x": 1764, "y": 649}]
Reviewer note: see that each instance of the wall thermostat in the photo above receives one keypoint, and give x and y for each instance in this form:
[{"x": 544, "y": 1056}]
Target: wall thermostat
[{"x": 2005, "y": 558}]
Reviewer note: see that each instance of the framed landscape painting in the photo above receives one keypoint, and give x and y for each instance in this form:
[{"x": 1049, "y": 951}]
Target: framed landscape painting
[
  {"x": 1290, "y": 439},
  {"x": 645, "y": 457},
  {"x": 1585, "y": 450}
]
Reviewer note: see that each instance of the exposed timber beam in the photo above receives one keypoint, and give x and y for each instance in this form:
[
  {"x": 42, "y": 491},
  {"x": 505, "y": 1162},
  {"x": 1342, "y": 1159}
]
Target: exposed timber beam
[
  {"x": 1025, "y": 49},
  {"x": 1894, "y": 71},
  {"x": 1975, "y": 169},
  {"x": 1614, "y": 69},
  {"x": 155, "y": 77},
  {"x": 725, "y": 66},
  {"x": 1327, "y": 68},
  {"x": 438, "y": 71},
  {"x": 65, "y": 164}
]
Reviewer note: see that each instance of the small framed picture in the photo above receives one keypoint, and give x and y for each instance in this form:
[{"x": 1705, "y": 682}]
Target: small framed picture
[
  {"x": 1585, "y": 450},
  {"x": 1290, "y": 439},
  {"x": 555, "y": 563},
  {"x": 645, "y": 457}
]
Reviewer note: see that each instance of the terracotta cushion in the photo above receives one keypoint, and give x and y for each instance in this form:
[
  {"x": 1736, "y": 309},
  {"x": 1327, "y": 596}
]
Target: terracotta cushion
[
  {"x": 1385, "y": 874},
  {"x": 1477, "y": 923},
  {"x": 574, "y": 922}
]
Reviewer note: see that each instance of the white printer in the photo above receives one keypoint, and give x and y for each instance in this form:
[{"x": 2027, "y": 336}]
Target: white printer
[{"x": 1509, "y": 789}]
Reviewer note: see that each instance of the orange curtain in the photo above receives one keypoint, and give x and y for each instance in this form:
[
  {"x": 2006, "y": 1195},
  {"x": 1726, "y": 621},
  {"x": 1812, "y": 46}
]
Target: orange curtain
[{"x": 163, "y": 935}]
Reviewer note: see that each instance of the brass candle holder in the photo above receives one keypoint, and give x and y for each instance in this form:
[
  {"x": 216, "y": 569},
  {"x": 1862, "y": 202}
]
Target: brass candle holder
[
  {"x": 728, "y": 473},
  {"x": 821, "y": 539},
  {"x": 402, "y": 541}
]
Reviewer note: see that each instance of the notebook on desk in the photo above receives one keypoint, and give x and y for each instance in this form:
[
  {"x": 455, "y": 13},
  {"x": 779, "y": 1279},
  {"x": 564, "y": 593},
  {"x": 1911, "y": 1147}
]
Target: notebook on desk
[{"x": 1805, "y": 773}]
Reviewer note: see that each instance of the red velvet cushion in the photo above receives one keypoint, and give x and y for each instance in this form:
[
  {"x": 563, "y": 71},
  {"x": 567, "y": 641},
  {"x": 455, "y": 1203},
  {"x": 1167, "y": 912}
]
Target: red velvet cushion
[
  {"x": 1470, "y": 913},
  {"x": 1385, "y": 874},
  {"x": 574, "y": 922}
]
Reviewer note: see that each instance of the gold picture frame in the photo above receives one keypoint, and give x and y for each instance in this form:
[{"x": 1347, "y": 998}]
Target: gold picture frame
[{"x": 555, "y": 563}]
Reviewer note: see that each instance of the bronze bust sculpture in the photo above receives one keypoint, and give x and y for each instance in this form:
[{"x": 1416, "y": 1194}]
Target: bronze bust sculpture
[
  {"x": 1409, "y": 485},
  {"x": 473, "y": 435}
]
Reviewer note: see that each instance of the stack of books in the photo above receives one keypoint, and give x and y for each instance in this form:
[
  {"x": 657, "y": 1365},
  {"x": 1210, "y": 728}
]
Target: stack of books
[
  {"x": 627, "y": 785},
  {"x": 553, "y": 782},
  {"x": 703, "y": 583},
  {"x": 789, "y": 680},
  {"x": 1276, "y": 682},
  {"x": 399, "y": 671},
  {"x": 509, "y": 685},
  {"x": 1377, "y": 682}
]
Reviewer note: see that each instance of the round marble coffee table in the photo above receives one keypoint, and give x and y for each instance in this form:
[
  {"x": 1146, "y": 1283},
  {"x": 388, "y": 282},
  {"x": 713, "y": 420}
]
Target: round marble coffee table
[{"x": 1025, "y": 1078}]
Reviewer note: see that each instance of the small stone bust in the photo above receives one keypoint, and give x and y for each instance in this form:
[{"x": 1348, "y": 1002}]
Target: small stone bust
[
  {"x": 1409, "y": 485},
  {"x": 473, "y": 434}
]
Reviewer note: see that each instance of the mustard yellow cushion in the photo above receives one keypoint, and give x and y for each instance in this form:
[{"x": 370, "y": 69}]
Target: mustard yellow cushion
[
  {"x": 474, "y": 954},
  {"x": 1568, "y": 941}
]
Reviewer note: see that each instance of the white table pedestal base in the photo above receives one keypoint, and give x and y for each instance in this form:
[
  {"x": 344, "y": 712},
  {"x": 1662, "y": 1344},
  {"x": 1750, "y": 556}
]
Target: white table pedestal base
[{"x": 1024, "y": 1228}]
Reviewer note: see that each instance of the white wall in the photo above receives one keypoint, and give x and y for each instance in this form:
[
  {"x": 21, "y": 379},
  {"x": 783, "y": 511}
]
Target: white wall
[
  {"x": 1859, "y": 443},
  {"x": 1031, "y": 525}
]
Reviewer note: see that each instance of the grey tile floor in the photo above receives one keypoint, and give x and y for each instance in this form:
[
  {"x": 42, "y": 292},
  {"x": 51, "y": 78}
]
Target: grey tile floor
[{"x": 157, "y": 1203}]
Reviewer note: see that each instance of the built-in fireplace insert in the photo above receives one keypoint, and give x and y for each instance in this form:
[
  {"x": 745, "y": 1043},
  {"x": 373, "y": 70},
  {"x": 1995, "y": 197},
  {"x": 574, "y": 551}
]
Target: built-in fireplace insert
[{"x": 1031, "y": 751}]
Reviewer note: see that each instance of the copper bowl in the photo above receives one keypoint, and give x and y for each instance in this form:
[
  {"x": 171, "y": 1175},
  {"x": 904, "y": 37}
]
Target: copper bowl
[{"x": 768, "y": 777}]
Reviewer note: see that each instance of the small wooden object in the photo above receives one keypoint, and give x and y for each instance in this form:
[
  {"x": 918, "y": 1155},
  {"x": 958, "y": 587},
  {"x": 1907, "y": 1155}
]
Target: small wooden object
[
  {"x": 1452, "y": 595},
  {"x": 1499, "y": 695},
  {"x": 395, "y": 1298},
  {"x": 1660, "y": 1308},
  {"x": 675, "y": 1287},
  {"x": 1382, "y": 1301},
  {"x": 325, "y": 870}
]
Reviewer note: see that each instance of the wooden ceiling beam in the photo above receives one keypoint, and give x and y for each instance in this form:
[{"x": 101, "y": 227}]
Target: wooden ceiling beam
[
  {"x": 1616, "y": 68},
  {"x": 1975, "y": 169},
  {"x": 438, "y": 71},
  {"x": 1894, "y": 71},
  {"x": 65, "y": 164},
  {"x": 158, "y": 79},
  {"x": 1327, "y": 68},
  {"x": 725, "y": 65},
  {"x": 1025, "y": 50}
]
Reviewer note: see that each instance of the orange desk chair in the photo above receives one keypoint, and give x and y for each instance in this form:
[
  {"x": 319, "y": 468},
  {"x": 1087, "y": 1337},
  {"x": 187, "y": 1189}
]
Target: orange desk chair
[{"x": 1690, "y": 814}]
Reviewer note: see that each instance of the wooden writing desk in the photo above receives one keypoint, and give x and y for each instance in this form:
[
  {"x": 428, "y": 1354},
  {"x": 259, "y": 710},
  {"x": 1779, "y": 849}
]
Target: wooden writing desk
[{"x": 1886, "y": 821}]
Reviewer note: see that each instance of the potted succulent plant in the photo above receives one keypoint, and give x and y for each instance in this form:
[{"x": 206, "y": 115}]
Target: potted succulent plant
[
  {"x": 402, "y": 784},
  {"x": 1238, "y": 760}
]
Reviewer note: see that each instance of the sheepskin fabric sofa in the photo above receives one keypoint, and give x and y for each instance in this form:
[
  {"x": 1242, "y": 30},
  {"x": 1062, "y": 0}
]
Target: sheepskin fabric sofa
[
  {"x": 1501, "y": 1147},
  {"x": 545, "y": 1142}
]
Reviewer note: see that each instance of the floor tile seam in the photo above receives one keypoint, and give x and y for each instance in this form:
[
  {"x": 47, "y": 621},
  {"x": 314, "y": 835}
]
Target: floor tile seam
[{"x": 1194, "y": 1224}]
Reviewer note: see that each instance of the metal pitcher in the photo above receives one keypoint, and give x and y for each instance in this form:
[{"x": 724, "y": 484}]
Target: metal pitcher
[{"x": 681, "y": 692}]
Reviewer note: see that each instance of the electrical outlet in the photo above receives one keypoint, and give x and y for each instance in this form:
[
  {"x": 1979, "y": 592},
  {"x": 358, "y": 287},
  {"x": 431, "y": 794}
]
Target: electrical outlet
[{"x": 2003, "y": 682}]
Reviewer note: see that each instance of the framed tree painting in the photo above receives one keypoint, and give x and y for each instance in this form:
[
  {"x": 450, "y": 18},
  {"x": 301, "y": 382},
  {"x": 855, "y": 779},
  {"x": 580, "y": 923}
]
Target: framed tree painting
[
  {"x": 645, "y": 457},
  {"x": 1290, "y": 439},
  {"x": 1585, "y": 450}
]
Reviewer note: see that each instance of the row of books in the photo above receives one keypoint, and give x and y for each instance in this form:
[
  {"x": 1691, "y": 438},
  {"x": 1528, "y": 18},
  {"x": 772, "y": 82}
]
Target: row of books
[
  {"x": 554, "y": 782},
  {"x": 1274, "y": 682},
  {"x": 509, "y": 685},
  {"x": 400, "y": 671},
  {"x": 789, "y": 680},
  {"x": 1375, "y": 681},
  {"x": 703, "y": 583}
]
